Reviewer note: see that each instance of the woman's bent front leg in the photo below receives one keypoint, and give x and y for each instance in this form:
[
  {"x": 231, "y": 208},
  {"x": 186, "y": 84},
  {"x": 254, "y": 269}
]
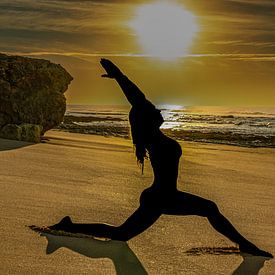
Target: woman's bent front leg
[
  {"x": 187, "y": 204},
  {"x": 183, "y": 203}
]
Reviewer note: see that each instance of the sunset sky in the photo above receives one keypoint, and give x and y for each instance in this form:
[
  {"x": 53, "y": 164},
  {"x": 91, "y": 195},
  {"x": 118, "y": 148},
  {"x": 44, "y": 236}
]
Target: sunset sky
[{"x": 227, "y": 56}]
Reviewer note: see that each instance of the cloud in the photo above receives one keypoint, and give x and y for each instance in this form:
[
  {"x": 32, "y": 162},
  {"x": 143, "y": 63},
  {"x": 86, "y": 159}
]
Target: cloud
[
  {"x": 83, "y": 26},
  {"x": 232, "y": 7},
  {"x": 251, "y": 22},
  {"x": 90, "y": 25},
  {"x": 233, "y": 54}
]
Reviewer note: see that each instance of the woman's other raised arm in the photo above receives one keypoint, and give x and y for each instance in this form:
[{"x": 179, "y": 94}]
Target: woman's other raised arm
[{"x": 133, "y": 94}]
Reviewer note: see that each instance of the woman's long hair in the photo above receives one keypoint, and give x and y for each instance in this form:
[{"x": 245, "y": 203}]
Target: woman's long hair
[
  {"x": 143, "y": 120},
  {"x": 138, "y": 138}
]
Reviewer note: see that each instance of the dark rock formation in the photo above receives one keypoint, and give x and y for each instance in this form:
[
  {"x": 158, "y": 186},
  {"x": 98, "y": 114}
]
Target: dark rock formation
[{"x": 31, "y": 97}]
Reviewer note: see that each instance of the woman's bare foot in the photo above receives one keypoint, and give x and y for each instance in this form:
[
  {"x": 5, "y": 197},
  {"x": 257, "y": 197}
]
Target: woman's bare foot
[
  {"x": 65, "y": 224},
  {"x": 254, "y": 250}
]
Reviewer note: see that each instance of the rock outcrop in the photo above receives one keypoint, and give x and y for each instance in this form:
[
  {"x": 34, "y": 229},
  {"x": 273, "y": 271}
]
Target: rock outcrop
[{"x": 31, "y": 97}]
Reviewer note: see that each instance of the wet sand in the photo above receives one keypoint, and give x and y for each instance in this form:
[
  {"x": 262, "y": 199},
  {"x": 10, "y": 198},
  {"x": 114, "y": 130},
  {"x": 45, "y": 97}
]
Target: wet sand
[{"x": 96, "y": 179}]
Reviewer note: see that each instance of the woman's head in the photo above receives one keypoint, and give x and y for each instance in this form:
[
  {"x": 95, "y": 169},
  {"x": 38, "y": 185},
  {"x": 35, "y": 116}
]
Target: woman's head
[
  {"x": 145, "y": 117},
  {"x": 145, "y": 121}
]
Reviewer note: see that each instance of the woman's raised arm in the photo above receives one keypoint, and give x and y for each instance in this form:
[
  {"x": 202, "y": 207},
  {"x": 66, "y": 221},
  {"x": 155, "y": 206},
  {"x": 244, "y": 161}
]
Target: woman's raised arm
[{"x": 133, "y": 94}]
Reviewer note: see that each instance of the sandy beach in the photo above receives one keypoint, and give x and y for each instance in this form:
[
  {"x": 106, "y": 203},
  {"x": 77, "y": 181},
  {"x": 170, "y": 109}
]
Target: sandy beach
[{"x": 96, "y": 179}]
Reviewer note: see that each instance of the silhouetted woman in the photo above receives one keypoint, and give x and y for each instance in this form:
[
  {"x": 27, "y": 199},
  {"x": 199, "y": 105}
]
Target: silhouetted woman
[{"x": 162, "y": 197}]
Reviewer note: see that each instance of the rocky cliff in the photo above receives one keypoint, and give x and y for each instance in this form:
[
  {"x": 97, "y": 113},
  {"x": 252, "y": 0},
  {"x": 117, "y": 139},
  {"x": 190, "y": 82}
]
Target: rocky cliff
[{"x": 31, "y": 97}]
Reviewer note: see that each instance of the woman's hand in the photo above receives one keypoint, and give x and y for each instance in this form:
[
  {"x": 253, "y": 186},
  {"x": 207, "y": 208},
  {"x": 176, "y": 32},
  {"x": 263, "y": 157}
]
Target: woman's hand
[
  {"x": 133, "y": 94},
  {"x": 111, "y": 69}
]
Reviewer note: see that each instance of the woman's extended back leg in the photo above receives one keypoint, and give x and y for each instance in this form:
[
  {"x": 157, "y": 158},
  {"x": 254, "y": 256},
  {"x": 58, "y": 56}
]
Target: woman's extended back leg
[{"x": 139, "y": 221}]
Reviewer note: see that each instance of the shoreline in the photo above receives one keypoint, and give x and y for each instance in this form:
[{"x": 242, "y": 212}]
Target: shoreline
[
  {"x": 183, "y": 135},
  {"x": 231, "y": 126}
]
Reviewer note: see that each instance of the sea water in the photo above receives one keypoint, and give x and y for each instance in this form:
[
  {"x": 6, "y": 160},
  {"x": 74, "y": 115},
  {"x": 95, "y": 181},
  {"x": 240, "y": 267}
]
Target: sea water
[{"x": 244, "y": 126}]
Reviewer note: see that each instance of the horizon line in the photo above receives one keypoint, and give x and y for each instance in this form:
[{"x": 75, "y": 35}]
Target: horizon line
[{"x": 239, "y": 56}]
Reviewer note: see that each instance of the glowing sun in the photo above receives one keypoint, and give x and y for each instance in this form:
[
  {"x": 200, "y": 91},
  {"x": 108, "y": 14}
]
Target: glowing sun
[{"x": 165, "y": 29}]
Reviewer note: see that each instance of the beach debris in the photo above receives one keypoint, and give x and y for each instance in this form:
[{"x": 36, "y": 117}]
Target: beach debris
[
  {"x": 197, "y": 251},
  {"x": 32, "y": 97}
]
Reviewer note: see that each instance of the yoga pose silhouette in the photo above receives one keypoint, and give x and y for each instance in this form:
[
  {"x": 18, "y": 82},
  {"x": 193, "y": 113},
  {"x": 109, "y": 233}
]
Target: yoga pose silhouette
[{"x": 162, "y": 197}]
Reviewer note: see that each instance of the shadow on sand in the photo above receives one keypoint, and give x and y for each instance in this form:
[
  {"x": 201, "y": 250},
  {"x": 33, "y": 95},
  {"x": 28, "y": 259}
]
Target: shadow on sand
[
  {"x": 8, "y": 144},
  {"x": 123, "y": 258},
  {"x": 250, "y": 265}
]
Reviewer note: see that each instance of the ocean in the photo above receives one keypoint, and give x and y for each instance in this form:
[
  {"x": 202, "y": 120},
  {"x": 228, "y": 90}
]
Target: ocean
[{"x": 242, "y": 126}]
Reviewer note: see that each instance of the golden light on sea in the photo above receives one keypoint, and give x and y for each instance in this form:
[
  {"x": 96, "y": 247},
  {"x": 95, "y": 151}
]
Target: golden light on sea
[{"x": 165, "y": 29}]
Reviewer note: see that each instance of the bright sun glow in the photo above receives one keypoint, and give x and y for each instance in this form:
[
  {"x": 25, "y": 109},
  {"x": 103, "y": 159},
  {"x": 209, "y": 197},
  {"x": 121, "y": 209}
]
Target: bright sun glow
[{"x": 165, "y": 29}]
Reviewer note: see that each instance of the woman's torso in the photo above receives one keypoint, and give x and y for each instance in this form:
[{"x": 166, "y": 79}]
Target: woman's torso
[{"x": 164, "y": 156}]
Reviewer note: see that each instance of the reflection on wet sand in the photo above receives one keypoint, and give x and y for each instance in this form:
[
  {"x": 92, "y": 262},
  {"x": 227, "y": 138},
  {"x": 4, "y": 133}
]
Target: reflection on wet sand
[
  {"x": 123, "y": 258},
  {"x": 250, "y": 265}
]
